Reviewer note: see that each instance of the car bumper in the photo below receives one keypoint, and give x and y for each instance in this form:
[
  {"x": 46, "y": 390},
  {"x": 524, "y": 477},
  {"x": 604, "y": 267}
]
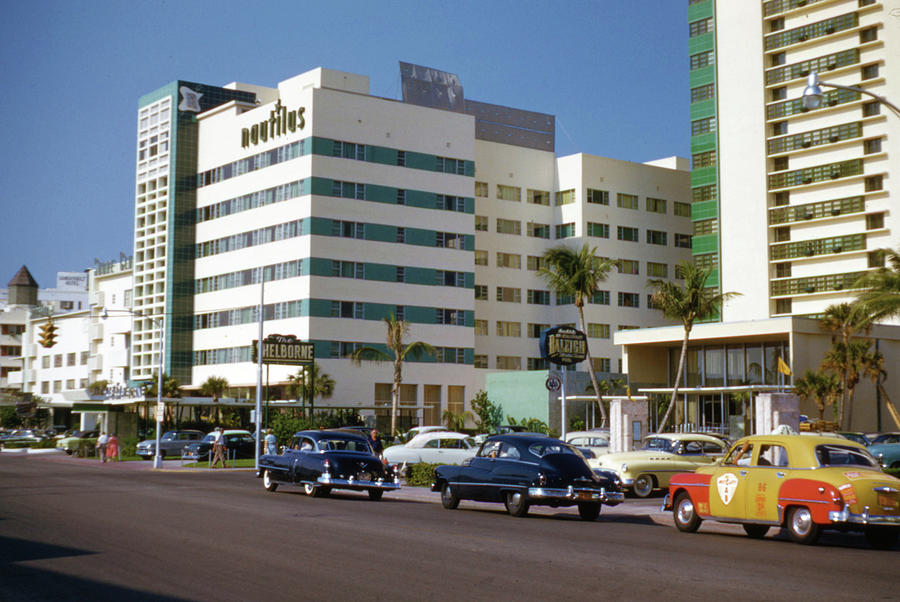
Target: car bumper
[
  {"x": 143, "y": 452},
  {"x": 577, "y": 494},
  {"x": 329, "y": 481},
  {"x": 846, "y": 517}
]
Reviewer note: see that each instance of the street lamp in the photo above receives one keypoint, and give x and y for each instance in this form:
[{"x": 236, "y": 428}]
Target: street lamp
[
  {"x": 159, "y": 323},
  {"x": 812, "y": 94}
]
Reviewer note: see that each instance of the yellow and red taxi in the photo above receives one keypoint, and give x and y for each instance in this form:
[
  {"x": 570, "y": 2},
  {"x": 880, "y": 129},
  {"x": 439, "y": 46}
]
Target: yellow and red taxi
[{"x": 804, "y": 484}]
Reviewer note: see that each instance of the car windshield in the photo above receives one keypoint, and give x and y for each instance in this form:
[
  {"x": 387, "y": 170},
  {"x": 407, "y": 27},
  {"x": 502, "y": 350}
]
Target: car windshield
[
  {"x": 210, "y": 438},
  {"x": 542, "y": 449},
  {"x": 660, "y": 444},
  {"x": 840, "y": 455},
  {"x": 341, "y": 444},
  {"x": 170, "y": 436}
]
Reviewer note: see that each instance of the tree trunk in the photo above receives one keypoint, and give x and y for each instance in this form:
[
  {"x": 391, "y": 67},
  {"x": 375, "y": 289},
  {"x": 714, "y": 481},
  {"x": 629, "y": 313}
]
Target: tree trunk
[
  {"x": 395, "y": 393},
  {"x": 604, "y": 422},
  {"x": 890, "y": 406},
  {"x": 684, "y": 344}
]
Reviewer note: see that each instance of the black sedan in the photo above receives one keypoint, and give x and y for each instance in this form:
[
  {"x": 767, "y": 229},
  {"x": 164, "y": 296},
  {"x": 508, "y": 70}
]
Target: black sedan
[
  {"x": 172, "y": 443},
  {"x": 522, "y": 470},
  {"x": 320, "y": 461},
  {"x": 238, "y": 444}
]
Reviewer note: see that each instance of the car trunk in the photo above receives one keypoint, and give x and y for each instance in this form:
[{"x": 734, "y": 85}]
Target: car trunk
[{"x": 359, "y": 466}]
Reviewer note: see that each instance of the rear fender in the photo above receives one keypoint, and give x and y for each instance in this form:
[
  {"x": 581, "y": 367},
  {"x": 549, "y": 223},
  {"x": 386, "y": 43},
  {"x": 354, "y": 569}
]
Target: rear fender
[
  {"x": 696, "y": 485},
  {"x": 818, "y": 496}
]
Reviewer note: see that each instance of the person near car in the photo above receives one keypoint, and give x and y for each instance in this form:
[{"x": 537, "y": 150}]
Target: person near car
[
  {"x": 218, "y": 448},
  {"x": 102, "y": 442},
  {"x": 112, "y": 447},
  {"x": 375, "y": 442},
  {"x": 271, "y": 447}
]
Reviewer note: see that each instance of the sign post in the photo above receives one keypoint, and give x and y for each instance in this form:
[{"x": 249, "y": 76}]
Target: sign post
[{"x": 563, "y": 346}]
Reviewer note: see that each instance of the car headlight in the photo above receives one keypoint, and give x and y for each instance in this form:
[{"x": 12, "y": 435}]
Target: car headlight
[{"x": 624, "y": 468}]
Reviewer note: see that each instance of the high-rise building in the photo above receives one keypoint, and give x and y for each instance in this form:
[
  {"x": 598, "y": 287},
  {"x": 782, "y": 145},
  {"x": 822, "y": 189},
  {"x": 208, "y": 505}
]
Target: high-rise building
[
  {"x": 339, "y": 208},
  {"x": 790, "y": 204}
]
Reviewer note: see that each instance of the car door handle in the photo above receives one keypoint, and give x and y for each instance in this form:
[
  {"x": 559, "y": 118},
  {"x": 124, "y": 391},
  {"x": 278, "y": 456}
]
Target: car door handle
[
  {"x": 780, "y": 475},
  {"x": 743, "y": 473}
]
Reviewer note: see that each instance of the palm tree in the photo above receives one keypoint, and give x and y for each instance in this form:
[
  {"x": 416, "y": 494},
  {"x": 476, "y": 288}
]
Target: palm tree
[
  {"x": 819, "y": 386},
  {"x": 873, "y": 368},
  {"x": 577, "y": 274},
  {"x": 686, "y": 303},
  {"x": 171, "y": 389},
  {"x": 847, "y": 360},
  {"x": 880, "y": 298},
  {"x": 845, "y": 319},
  {"x": 301, "y": 384},
  {"x": 215, "y": 387},
  {"x": 397, "y": 353}
]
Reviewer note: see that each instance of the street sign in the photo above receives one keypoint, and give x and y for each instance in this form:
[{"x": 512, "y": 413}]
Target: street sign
[
  {"x": 160, "y": 411},
  {"x": 285, "y": 350},
  {"x": 553, "y": 383},
  {"x": 563, "y": 345}
]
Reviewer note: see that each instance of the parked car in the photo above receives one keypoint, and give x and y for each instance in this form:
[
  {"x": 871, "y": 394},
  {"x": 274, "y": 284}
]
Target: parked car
[
  {"x": 418, "y": 430},
  {"x": 69, "y": 444},
  {"x": 596, "y": 441},
  {"x": 887, "y": 454},
  {"x": 524, "y": 470},
  {"x": 239, "y": 444},
  {"x": 171, "y": 443},
  {"x": 436, "y": 447},
  {"x": 319, "y": 461},
  {"x": 804, "y": 484},
  {"x": 884, "y": 438},
  {"x": 858, "y": 437},
  {"x": 24, "y": 436},
  {"x": 661, "y": 456}
]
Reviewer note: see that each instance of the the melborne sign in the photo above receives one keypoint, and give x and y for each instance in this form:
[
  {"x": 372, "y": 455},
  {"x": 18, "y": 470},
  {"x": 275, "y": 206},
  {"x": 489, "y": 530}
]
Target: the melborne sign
[
  {"x": 563, "y": 345},
  {"x": 280, "y": 122},
  {"x": 285, "y": 350}
]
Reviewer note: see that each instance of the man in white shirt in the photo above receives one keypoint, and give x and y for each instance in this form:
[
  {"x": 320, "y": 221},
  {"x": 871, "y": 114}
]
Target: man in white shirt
[{"x": 102, "y": 440}]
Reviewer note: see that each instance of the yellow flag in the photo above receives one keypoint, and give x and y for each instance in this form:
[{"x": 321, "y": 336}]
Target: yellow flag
[{"x": 783, "y": 367}]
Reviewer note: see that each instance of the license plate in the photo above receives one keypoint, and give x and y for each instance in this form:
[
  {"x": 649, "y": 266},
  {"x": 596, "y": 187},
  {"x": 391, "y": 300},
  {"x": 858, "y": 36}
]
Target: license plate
[
  {"x": 887, "y": 501},
  {"x": 364, "y": 476},
  {"x": 585, "y": 495}
]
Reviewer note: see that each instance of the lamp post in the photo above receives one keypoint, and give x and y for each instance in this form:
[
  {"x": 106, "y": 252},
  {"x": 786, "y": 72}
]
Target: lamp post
[
  {"x": 812, "y": 94},
  {"x": 159, "y": 323}
]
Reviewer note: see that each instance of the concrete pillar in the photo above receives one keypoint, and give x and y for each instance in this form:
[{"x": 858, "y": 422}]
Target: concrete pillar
[
  {"x": 628, "y": 420},
  {"x": 776, "y": 409}
]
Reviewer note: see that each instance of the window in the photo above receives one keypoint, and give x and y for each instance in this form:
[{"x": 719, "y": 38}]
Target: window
[
  {"x": 481, "y": 292},
  {"x": 446, "y": 165},
  {"x": 481, "y": 257},
  {"x": 870, "y": 109},
  {"x": 481, "y": 189},
  {"x": 869, "y": 72},
  {"x": 449, "y": 240},
  {"x": 453, "y": 317},
  {"x": 538, "y": 197},
  {"x": 656, "y": 205},
  {"x": 868, "y": 35},
  {"x": 598, "y": 230},
  {"x": 509, "y": 329},
  {"x": 656, "y": 237},
  {"x": 783, "y": 270},
  {"x": 347, "y": 309},
  {"x": 509, "y": 260},
  {"x": 84, "y": 358},
  {"x": 782, "y": 198},
  {"x": 783, "y": 306},
  {"x": 348, "y": 229},
  {"x": 682, "y": 209},
  {"x": 58, "y": 360},
  {"x": 598, "y": 197},
  {"x": 629, "y": 300},
  {"x": 628, "y": 266},
  {"x": 872, "y": 146},
  {"x": 506, "y": 294},
  {"x": 401, "y": 234},
  {"x": 627, "y": 201},
  {"x": 565, "y": 197},
  {"x": 481, "y": 223},
  {"x": 348, "y": 269},
  {"x": 45, "y": 362},
  {"x": 702, "y": 59},
  {"x": 450, "y": 203},
  {"x": 874, "y": 183},
  {"x": 401, "y": 158},
  {"x": 876, "y": 259},
  {"x": 450, "y": 278},
  {"x": 779, "y": 93},
  {"x": 704, "y": 193},
  {"x": 601, "y": 364},
  {"x": 706, "y": 159},
  {"x": 70, "y": 359},
  {"x": 538, "y": 363},
  {"x": 509, "y": 226},
  {"x": 481, "y": 328},
  {"x": 565, "y": 230},
  {"x": 657, "y": 270},
  {"x": 534, "y": 263},
  {"x": 538, "y": 297},
  {"x": 777, "y": 59},
  {"x": 401, "y": 197},
  {"x": 704, "y": 92},
  {"x": 683, "y": 241},
  {"x": 626, "y": 233},
  {"x": 703, "y": 126},
  {"x": 538, "y": 230},
  {"x": 507, "y": 362},
  {"x": 509, "y": 193},
  {"x": 782, "y": 234},
  {"x": 349, "y": 150},
  {"x": 481, "y": 361},
  {"x": 598, "y": 331},
  {"x": 779, "y": 163},
  {"x": 348, "y": 190},
  {"x": 875, "y": 221},
  {"x": 534, "y": 330},
  {"x": 400, "y": 275},
  {"x": 698, "y": 28},
  {"x": 600, "y": 298}
]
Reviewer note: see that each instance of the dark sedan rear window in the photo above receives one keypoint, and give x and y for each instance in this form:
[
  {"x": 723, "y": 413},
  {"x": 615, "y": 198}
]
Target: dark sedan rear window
[
  {"x": 542, "y": 449},
  {"x": 337, "y": 444}
]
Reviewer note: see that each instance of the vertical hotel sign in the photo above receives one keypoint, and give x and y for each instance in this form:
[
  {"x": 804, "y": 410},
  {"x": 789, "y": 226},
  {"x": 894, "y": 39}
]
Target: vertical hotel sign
[{"x": 280, "y": 122}]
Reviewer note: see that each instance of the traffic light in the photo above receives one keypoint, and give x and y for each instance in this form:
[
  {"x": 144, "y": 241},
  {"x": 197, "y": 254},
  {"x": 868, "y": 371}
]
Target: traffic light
[{"x": 48, "y": 334}]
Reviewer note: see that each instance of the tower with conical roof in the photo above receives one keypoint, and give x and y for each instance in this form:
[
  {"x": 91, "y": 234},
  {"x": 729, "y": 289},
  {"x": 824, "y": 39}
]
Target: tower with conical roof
[{"x": 23, "y": 289}]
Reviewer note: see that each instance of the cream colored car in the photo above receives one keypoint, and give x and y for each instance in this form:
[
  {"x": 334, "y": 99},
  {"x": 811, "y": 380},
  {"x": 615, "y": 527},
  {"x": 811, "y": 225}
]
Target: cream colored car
[{"x": 662, "y": 456}]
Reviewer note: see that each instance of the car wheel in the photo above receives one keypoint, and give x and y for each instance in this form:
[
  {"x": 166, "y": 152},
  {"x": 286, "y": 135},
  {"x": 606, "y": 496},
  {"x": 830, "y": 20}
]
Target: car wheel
[
  {"x": 882, "y": 538},
  {"x": 449, "y": 499},
  {"x": 516, "y": 503},
  {"x": 588, "y": 510},
  {"x": 268, "y": 483},
  {"x": 683, "y": 513},
  {"x": 756, "y": 531},
  {"x": 643, "y": 486},
  {"x": 801, "y": 527},
  {"x": 145, "y": 457},
  {"x": 896, "y": 464},
  {"x": 375, "y": 494}
]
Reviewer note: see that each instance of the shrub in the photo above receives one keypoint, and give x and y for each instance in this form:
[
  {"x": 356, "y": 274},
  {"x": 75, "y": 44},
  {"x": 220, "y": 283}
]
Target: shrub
[
  {"x": 128, "y": 446},
  {"x": 85, "y": 448},
  {"x": 420, "y": 475}
]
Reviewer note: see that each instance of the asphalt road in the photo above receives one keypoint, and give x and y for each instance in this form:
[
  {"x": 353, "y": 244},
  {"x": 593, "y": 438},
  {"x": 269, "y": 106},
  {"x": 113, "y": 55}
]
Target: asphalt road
[{"x": 78, "y": 530}]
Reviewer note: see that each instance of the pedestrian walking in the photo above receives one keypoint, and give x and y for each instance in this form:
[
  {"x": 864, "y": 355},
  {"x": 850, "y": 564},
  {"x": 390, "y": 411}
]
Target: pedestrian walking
[
  {"x": 112, "y": 448},
  {"x": 102, "y": 442},
  {"x": 375, "y": 442},
  {"x": 271, "y": 446},
  {"x": 218, "y": 448}
]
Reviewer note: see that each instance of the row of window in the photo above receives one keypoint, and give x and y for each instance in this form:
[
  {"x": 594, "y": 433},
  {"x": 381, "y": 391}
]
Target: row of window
[
  {"x": 822, "y": 246},
  {"x": 566, "y": 197},
  {"x": 533, "y": 331},
  {"x": 812, "y": 138},
  {"x": 774, "y": 7},
  {"x": 58, "y": 386},
  {"x": 820, "y": 64},
  {"x": 813, "y": 284},
  {"x": 834, "y": 207},
  {"x": 335, "y": 349},
  {"x": 819, "y": 173},
  {"x": 811, "y": 31},
  {"x": 69, "y": 358},
  {"x": 507, "y": 294},
  {"x": 513, "y": 362}
]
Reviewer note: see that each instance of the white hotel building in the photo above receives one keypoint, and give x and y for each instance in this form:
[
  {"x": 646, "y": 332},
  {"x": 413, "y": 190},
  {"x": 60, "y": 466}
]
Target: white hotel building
[{"x": 435, "y": 208}]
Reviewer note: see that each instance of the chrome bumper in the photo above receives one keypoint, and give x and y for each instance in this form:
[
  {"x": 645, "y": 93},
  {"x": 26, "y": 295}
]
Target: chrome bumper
[
  {"x": 573, "y": 494},
  {"x": 845, "y": 516},
  {"x": 358, "y": 484}
]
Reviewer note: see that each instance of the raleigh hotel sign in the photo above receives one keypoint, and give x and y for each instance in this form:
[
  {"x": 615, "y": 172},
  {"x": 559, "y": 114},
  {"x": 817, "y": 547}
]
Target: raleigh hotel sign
[{"x": 280, "y": 122}]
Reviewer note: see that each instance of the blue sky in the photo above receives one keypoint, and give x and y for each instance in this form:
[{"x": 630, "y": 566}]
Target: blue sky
[{"x": 613, "y": 72}]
